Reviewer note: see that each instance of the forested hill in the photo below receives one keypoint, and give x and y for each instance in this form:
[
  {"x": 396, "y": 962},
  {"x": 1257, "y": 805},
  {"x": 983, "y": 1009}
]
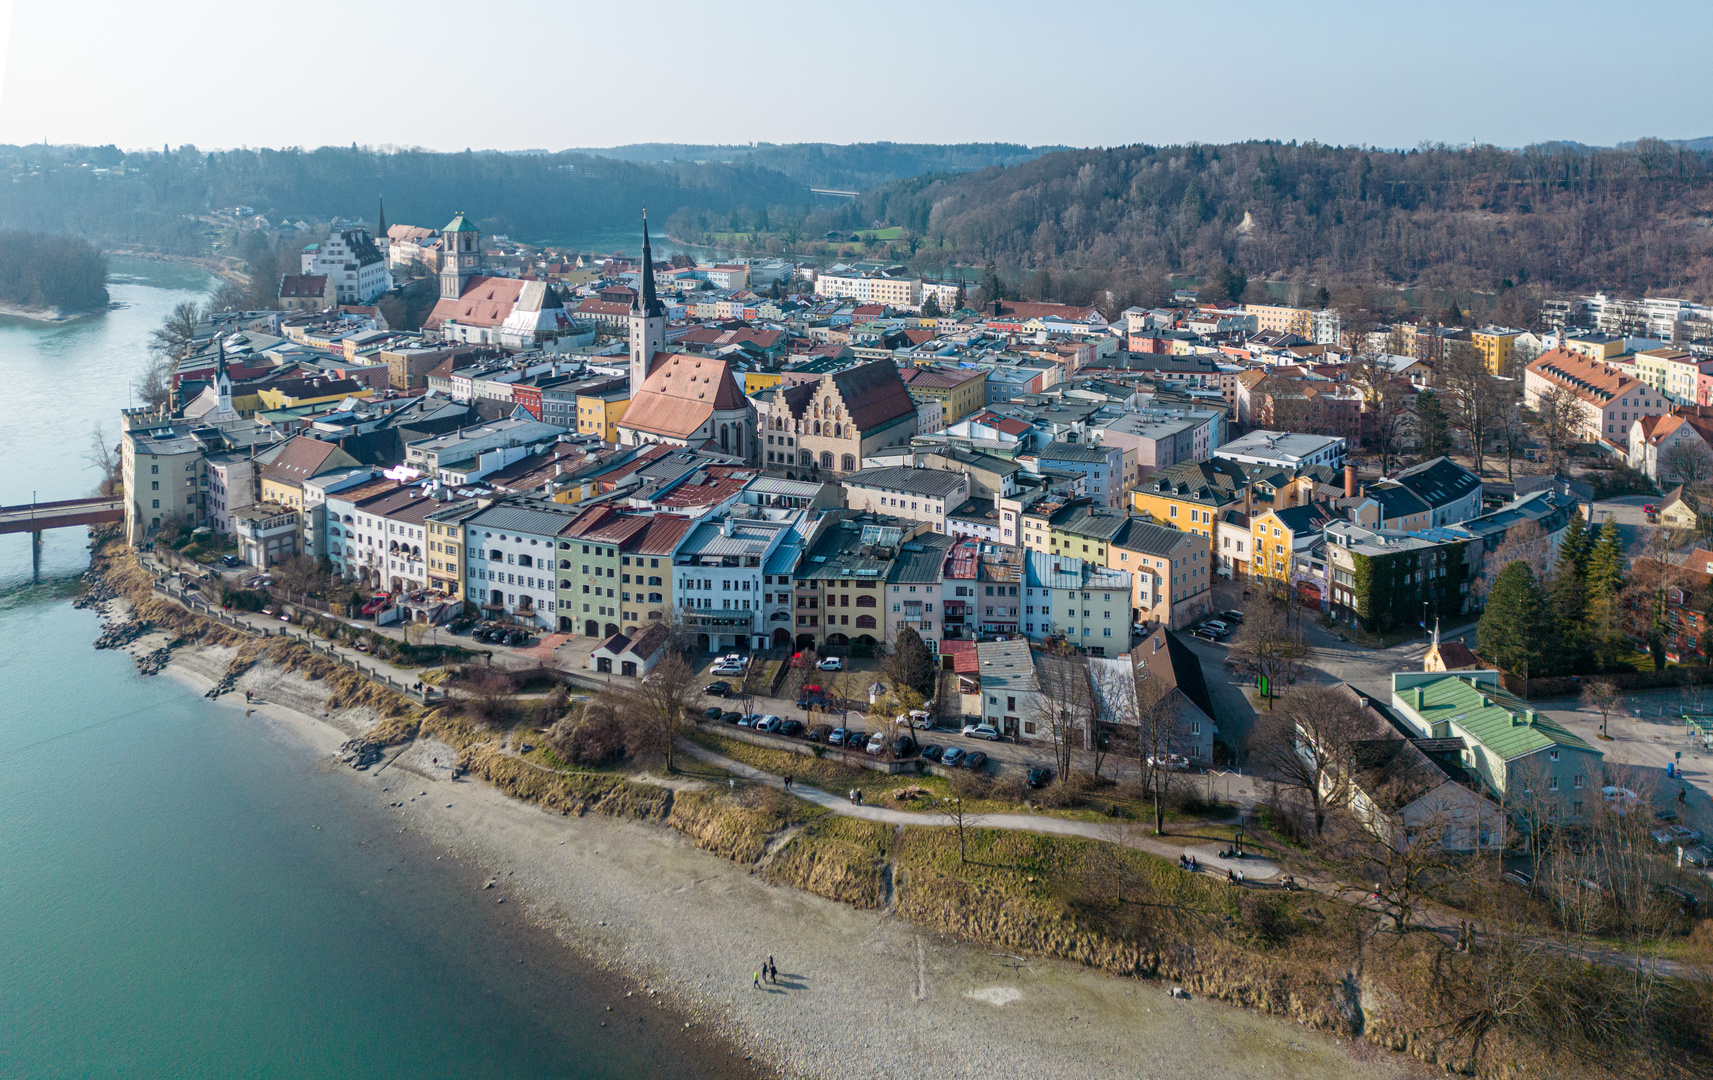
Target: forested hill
[
  {"x": 150, "y": 198},
  {"x": 852, "y": 167},
  {"x": 63, "y": 272},
  {"x": 1630, "y": 220}
]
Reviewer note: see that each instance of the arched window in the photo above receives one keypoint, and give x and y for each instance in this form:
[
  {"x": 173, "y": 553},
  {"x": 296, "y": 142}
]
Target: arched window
[
  {"x": 808, "y": 458},
  {"x": 826, "y": 459},
  {"x": 838, "y": 431},
  {"x": 524, "y": 560},
  {"x": 864, "y": 601},
  {"x": 737, "y": 438},
  {"x": 725, "y": 439},
  {"x": 848, "y": 463},
  {"x": 564, "y": 584},
  {"x": 564, "y": 564},
  {"x": 865, "y": 622},
  {"x": 817, "y": 427}
]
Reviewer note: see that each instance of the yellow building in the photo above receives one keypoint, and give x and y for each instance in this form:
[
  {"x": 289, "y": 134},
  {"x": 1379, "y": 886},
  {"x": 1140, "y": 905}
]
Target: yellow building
[
  {"x": 1277, "y": 535},
  {"x": 1496, "y": 344},
  {"x": 291, "y": 393},
  {"x": 754, "y": 382},
  {"x": 1594, "y": 345},
  {"x": 283, "y": 470},
  {"x": 599, "y": 413},
  {"x": 1281, "y": 317},
  {"x": 1216, "y": 498},
  {"x": 959, "y": 391},
  {"x": 445, "y": 555}
]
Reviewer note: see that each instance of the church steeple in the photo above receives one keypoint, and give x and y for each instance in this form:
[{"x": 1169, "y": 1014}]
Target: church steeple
[
  {"x": 647, "y": 319},
  {"x": 381, "y": 221},
  {"x": 645, "y": 301}
]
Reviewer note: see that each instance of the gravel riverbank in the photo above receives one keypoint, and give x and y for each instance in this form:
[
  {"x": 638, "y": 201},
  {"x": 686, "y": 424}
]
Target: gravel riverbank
[{"x": 860, "y": 993}]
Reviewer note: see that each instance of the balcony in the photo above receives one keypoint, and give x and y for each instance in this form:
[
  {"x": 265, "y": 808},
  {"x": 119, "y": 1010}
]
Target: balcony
[{"x": 726, "y": 619}]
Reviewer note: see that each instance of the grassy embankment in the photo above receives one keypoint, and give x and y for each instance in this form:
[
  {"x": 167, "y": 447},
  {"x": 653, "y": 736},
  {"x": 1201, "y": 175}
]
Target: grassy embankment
[{"x": 1113, "y": 908}]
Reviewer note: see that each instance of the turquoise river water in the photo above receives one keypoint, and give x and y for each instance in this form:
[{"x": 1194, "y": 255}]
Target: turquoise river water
[{"x": 185, "y": 894}]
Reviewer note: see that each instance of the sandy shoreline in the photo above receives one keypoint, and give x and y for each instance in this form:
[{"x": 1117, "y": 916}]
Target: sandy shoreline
[{"x": 860, "y": 993}]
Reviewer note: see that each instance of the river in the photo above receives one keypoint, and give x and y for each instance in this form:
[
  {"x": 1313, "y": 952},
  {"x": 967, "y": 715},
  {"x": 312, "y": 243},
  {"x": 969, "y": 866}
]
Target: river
[{"x": 186, "y": 892}]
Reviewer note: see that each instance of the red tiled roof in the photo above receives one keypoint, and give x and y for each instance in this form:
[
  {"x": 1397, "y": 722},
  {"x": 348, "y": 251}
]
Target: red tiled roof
[
  {"x": 963, "y": 656},
  {"x": 873, "y": 394},
  {"x": 303, "y": 286},
  {"x": 602, "y": 307},
  {"x": 681, "y": 393},
  {"x": 486, "y": 301},
  {"x": 1589, "y": 380}
]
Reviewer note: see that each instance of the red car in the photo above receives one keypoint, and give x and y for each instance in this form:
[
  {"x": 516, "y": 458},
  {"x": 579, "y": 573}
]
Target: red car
[{"x": 379, "y": 603}]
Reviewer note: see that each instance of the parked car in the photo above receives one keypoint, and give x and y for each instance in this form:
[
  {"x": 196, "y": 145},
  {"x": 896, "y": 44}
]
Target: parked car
[
  {"x": 1174, "y": 762},
  {"x": 973, "y": 761},
  {"x": 876, "y": 743},
  {"x": 1233, "y": 616},
  {"x": 836, "y": 737},
  {"x": 819, "y": 733},
  {"x": 1520, "y": 877},
  {"x": 712, "y": 712},
  {"x": 769, "y": 722},
  {"x": 951, "y": 757},
  {"x": 831, "y": 663},
  {"x": 231, "y": 560},
  {"x": 981, "y": 731},
  {"x": 1681, "y": 835},
  {"x": 458, "y": 625},
  {"x": 933, "y": 751},
  {"x": 921, "y": 719},
  {"x": 903, "y": 746},
  {"x": 731, "y": 717},
  {"x": 1697, "y": 856},
  {"x": 1040, "y": 776},
  {"x": 1217, "y": 627},
  {"x": 717, "y": 689},
  {"x": 793, "y": 728},
  {"x": 515, "y": 638},
  {"x": 1205, "y": 634},
  {"x": 377, "y": 603},
  {"x": 855, "y": 739},
  {"x": 748, "y": 719}
]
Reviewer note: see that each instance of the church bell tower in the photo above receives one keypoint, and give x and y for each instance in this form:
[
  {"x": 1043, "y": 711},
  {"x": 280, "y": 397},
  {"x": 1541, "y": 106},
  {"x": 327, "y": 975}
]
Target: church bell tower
[
  {"x": 647, "y": 319},
  {"x": 460, "y": 256}
]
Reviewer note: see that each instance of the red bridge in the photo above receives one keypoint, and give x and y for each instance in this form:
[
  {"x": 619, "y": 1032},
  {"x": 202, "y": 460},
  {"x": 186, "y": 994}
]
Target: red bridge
[{"x": 35, "y": 517}]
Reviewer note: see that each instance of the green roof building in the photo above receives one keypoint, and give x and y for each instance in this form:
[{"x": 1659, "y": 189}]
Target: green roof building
[{"x": 1528, "y": 761}]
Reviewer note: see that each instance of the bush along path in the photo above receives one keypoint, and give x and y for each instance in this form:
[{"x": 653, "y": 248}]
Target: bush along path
[{"x": 1257, "y": 873}]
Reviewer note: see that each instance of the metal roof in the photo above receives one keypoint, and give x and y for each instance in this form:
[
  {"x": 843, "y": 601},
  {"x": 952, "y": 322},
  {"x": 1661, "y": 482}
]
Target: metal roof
[
  {"x": 921, "y": 560},
  {"x": 935, "y": 483},
  {"x": 1489, "y": 715},
  {"x": 537, "y": 517},
  {"x": 1006, "y": 665}
]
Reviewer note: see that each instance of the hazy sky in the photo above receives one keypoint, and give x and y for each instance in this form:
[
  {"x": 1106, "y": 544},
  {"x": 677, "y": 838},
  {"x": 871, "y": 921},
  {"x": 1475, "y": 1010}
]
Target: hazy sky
[{"x": 558, "y": 73}]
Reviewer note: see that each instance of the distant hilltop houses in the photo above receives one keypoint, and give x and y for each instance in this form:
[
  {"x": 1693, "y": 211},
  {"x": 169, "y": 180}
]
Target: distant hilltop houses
[{"x": 780, "y": 455}]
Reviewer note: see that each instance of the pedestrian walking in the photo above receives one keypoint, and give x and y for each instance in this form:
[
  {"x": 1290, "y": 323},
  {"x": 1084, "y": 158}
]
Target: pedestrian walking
[
  {"x": 859, "y": 796},
  {"x": 787, "y": 781},
  {"x": 756, "y": 979},
  {"x": 772, "y": 972},
  {"x": 852, "y": 796}
]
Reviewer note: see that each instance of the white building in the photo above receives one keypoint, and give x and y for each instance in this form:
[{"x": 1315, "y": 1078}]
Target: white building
[
  {"x": 719, "y": 585},
  {"x": 353, "y": 262},
  {"x": 509, "y": 558},
  {"x": 1285, "y": 450}
]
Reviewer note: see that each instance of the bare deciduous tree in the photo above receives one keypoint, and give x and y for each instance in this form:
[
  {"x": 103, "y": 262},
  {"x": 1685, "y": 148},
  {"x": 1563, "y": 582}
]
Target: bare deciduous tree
[
  {"x": 1159, "y": 726},
  {"x": 1688, "y": 463},
  {"x": 1558, "y": 419},
  {"x": 1309, "y": 743},
  {"x": 1065, "y": 707},
  {"x": 1271, "y": 647},
  {"x": 1603, "y": 697},
  {"x": 657, "y": 710}
]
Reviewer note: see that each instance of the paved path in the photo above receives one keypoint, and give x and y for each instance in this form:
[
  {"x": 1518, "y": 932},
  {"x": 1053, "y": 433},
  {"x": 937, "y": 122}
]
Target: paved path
[
  {"x": 1130, "y": 836},
  {"x": 1439, "y": 921}
]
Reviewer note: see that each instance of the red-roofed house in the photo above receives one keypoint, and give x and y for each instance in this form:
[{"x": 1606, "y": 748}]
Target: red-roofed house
[
  {"x": 307, "y": 292},
  {"x": 1607, "y": 401},
  {"x": 1671, "y": 449},
  {"x": 832, "y": 423},
  {"x": 691, "y": 401}
]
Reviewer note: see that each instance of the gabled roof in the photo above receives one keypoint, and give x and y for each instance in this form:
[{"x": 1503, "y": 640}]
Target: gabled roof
[
  {"x": 1494, "y": 718},
  {"x": 1439, "y": 481},
  {"x": 301, "y": 457},
  {"x": 874, "y": 395},
  {"x": 485, "y": 301},
  {"x": 680, "y": 394},
  {"x": 1180, "y": 669}
]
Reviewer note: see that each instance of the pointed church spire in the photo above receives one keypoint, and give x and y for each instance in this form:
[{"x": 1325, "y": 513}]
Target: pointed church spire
[
  {"x": 381, "y": 228},
  {"x": 645, "y": 302}
]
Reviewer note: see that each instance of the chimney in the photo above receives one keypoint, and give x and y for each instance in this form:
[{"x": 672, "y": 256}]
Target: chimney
[
  {"x": 727, "y": 526},
  {"x": 1350, "y": 481},
  {"x": 1418, "y": 698}
]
